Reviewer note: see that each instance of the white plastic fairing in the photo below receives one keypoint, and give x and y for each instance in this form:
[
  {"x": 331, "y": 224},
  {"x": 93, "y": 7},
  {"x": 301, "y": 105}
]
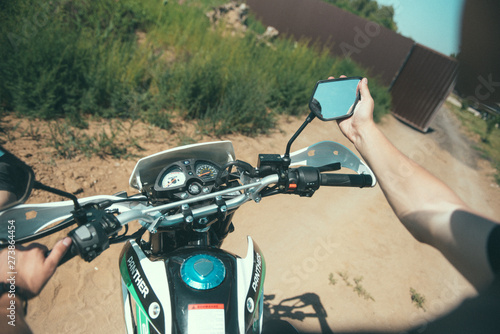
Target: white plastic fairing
[
  {"x": 244, "y": 268},
  {"x": 155, "y": 273},
  {"x": 251, "y": 273},
  {"x": 32, "y": 218},
  {"x": 147, "y": 169},
  {"x": 329, "y": 152},
  {"x": 127, "y": 308}
]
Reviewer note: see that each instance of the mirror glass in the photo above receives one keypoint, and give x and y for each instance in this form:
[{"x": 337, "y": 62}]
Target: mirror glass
[
  {"x": 16, "y": 180},
  {"x": 335, "y": 98}
]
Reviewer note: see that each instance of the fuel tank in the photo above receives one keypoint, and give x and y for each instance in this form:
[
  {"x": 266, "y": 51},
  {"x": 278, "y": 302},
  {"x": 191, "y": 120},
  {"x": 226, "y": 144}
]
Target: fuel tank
[{"x": 193, "y": 290}]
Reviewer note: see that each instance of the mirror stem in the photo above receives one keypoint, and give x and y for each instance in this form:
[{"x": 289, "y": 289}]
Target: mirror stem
[
  {"x": 289, "y": 145},
  {"x": 41, "y": 186}
]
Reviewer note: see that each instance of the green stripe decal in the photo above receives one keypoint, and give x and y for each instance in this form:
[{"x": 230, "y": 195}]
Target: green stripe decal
[
  {"x": 130, "y": 287},
  {"x": 142, "y": 321}
]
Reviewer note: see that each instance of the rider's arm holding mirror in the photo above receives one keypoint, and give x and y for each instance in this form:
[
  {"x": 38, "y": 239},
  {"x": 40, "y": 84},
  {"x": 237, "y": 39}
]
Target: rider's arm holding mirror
[
  {"x": 426, "y": 206},
  {"x": 32, "y": 272}
]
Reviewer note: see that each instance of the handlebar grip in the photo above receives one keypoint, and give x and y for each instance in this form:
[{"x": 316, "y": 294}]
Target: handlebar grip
[
  {"x": 346, "y": 180},
  {"x": 70, "y": 253}
]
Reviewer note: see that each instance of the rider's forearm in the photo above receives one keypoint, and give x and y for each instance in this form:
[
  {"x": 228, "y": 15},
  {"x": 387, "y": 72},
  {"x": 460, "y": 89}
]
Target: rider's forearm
[
  {"x": 428, "y": 208},
  {"x": 408, "y": 187},
  {"x": 12, "y": 319}
]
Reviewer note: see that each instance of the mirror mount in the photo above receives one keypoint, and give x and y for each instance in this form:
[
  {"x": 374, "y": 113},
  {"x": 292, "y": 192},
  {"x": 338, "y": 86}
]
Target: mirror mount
[
  {"x": 332, "y": 99},
  {"x": 275, "y": 163},
  {"x": 41, "y": 186},
  {"x": 286, "y": 157},
  {"x": 17, "y": 180}
]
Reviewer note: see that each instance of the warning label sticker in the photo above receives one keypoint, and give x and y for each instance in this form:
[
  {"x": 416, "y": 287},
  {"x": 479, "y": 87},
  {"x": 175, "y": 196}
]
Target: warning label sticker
[{"x": 206, "y": 319}]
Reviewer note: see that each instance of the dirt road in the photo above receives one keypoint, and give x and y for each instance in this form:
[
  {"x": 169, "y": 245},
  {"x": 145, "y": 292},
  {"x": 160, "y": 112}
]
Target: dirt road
[{"x": 348, "y": 237}]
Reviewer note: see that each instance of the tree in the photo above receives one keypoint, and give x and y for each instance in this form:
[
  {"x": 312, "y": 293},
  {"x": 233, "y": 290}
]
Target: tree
[{"x": 370, "y": 10}]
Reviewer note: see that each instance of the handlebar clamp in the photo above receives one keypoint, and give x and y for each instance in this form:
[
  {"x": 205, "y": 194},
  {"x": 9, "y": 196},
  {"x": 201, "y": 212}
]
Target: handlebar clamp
[{"x": 221, "y": 207}]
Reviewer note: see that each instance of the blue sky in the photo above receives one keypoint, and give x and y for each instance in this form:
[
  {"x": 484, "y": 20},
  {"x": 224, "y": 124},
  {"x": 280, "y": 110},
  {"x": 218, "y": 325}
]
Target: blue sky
[{"x": 433, "y": 23}]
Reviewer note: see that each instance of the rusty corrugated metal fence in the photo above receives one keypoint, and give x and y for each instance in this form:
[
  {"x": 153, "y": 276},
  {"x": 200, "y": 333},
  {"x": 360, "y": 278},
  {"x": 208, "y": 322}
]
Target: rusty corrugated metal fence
[
  {"x": 422, "y": 85},
  {"x": 420, "y": 78}
]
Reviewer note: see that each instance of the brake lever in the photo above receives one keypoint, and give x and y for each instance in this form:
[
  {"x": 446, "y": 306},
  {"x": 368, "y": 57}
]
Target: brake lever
[{"x": 330, "y": 167}]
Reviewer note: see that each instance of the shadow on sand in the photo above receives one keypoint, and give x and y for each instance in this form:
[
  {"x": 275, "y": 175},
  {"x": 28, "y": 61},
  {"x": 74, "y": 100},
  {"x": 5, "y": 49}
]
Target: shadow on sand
[{"x": 296, "y": 308}]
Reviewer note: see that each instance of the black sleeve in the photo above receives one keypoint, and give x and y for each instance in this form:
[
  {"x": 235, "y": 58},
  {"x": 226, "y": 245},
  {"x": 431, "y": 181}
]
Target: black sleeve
[{"x": 494, "y": 249}]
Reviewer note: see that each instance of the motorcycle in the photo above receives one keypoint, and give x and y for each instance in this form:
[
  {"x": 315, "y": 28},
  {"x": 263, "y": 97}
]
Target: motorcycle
[{"x": 175, "y": 277}]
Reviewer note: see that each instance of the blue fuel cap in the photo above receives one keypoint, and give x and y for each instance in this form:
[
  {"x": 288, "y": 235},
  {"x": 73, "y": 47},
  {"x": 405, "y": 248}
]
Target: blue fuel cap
[{"x": 203, "y": 272}]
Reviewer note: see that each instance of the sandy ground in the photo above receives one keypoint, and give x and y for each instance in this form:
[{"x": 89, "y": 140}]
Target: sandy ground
[{"x": 340, "y": 232}]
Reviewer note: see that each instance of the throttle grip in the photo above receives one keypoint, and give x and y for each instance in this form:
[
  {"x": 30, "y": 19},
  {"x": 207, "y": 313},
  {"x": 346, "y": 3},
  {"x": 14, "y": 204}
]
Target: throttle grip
[{"x": 346, "y": 180}]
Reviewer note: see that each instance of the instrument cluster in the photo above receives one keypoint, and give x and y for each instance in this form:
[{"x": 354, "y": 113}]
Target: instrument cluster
[{"x": 187, "y": 178}]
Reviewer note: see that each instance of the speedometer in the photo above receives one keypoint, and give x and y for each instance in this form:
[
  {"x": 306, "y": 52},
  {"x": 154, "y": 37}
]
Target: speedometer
[
  {"x": 206, "y": 171},
  {"x": 173, "y": 178}
]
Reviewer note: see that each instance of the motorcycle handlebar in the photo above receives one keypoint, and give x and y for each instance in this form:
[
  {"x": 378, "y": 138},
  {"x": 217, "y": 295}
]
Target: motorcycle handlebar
[
  {"x": 90, "y": 240},
  {"x": 346, "y": 180}
]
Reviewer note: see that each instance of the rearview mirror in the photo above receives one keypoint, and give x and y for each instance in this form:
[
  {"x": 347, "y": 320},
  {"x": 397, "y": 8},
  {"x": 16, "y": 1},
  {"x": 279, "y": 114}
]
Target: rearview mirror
[
  {"x": 16, "y": 180},
  {"x": 335, "y": 98}
]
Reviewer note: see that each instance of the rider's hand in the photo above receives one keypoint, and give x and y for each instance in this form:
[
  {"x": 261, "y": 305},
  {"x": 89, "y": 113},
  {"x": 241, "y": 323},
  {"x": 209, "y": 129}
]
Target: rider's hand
[
  {"x": 362, "y": 118},
  {"x": 32, "y": 268}
]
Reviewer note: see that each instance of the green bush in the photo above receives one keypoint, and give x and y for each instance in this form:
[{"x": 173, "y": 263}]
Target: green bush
[
  {"x": 82, "y": 59},
  {"x": 142, "y": 60}
]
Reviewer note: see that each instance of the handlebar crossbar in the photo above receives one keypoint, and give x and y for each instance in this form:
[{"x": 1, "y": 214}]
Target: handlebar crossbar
[
  {"x": 260, "y": 185},
  {"x": 232, "y": 203}
]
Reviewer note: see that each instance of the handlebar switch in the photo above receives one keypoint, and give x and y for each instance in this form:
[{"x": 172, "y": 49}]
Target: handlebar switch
[
  {"x": 83, "y": 233},
  {"x": 92, "y": 238},
  {"x": 308, "y": 180},
  {"x": 303, "y": 181}
]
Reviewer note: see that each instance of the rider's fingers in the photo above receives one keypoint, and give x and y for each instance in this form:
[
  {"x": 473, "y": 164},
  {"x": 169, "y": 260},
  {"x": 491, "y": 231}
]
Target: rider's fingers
[
  {"x": 363, "y": 89},
  {"x": 342, "y": 76},
  {"x": 57, "y": 253}
]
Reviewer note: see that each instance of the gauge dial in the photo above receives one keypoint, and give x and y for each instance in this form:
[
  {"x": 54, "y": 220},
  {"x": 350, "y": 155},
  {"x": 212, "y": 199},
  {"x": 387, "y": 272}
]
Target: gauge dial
[
  {"x": 206, "y": 171},
  {"x": 173, "y": 178}
]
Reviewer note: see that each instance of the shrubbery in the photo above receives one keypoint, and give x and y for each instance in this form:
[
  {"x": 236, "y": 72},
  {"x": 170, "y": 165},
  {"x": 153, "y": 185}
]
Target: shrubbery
[{"x": 75, "y": 58}]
